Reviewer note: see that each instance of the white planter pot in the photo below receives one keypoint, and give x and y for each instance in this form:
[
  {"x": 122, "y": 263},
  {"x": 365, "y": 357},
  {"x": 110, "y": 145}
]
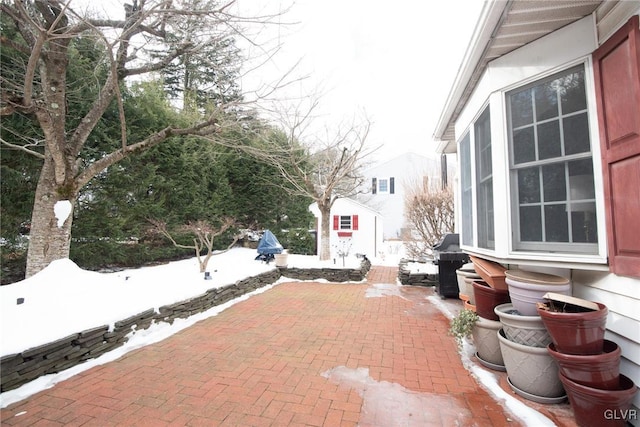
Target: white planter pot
[
  {"x": 465, "y": 278},
  {"x": 527, "y": 288},
  {"x": 281, "y": 260}
]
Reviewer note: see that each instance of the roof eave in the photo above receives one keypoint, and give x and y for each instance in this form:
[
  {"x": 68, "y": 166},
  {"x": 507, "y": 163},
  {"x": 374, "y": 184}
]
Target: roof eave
[{"x": 489, "y": 20}]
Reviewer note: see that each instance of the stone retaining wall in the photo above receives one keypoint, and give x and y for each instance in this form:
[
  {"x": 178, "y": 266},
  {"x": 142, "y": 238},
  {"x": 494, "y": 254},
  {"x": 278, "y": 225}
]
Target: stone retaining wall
[
  {"x": 19, "y": 369},
  {"x": 417, "y": 279}
]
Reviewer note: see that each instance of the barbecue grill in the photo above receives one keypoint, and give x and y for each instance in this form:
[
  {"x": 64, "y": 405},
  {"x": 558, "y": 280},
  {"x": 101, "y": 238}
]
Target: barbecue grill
[{"x": 448, "y": 256}]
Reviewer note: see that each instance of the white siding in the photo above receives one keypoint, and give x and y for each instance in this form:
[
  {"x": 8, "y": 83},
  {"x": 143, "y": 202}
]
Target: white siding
[
  {"x": 366, "y": 240},
  {"x": 405, "y": 169}
]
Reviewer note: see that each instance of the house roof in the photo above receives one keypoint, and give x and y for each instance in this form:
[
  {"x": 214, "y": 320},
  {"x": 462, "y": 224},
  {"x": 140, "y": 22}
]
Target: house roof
[
  {"x": 313, "y": 207},
  {"x": 503, "y": 26}
]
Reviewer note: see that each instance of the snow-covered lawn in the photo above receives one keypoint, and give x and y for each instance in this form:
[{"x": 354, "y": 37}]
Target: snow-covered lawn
[{"x": 68, "y": 299}]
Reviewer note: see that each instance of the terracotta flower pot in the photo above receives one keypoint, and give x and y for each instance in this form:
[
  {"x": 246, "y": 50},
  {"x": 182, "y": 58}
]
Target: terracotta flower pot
[
  {"x": 576, "y": 333},
  {"x": 599, "y": 371},
  {"x": 491, "y": 272},
  {"x": 531, "y": 370},
  {"x": 525, "y": 330},
  {"x": 488, "y": 298},
  {"x": 593, "y": 407},
  {"x": 528, "y": 288}
]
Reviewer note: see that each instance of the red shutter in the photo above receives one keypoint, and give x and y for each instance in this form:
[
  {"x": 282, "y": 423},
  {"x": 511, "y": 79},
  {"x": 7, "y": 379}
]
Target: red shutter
[
  {"x": 336, "y": 222},
  {"x": 354, "y": 222},
  {"x": 617, "y": 77}
]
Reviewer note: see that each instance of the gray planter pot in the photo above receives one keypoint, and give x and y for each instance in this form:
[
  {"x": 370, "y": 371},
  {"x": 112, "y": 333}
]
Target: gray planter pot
[
  {"x": 525, "y": 330},
  {"x": 485, "y": 338},
  {"x": 531, "y": 370}
]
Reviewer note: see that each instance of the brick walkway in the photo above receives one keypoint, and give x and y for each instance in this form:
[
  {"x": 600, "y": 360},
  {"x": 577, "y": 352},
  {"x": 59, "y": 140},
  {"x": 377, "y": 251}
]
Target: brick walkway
[{"x": 300, "y": 354}]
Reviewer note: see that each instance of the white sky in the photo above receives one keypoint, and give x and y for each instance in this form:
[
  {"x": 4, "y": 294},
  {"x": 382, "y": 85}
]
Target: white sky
[{"x": 394, "y": 61}]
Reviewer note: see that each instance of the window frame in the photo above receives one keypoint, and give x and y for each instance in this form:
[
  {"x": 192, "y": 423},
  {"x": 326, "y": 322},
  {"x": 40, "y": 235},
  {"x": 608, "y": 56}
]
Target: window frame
[
  {"x": 516, "y": 244},
  {"x": 504, "y": 251}
]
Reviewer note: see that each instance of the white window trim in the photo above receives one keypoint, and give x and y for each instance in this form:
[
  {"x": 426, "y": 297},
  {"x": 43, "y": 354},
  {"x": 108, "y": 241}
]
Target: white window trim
[{"x": 504, "y": 251}]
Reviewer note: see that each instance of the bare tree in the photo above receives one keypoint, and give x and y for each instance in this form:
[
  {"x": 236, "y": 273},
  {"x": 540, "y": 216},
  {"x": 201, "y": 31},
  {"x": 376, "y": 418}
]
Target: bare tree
[
  {"x": 150, "y": 35},
  {"x": 429, "y": 214},
  {"x": 323, "y": 168},
  {"x": 204, "y": 233}
]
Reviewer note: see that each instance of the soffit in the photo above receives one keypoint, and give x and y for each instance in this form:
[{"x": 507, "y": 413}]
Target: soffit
[{"x": 522, "y": 22}]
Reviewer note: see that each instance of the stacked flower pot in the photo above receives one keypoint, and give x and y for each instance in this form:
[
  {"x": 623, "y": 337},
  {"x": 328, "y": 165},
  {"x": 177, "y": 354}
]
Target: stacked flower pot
[
  {"x": 531, "y": 371},
  {"x": 466, "y": 275},
  {"x": 489, "y": 291},
  {"x": 588, "y": 364}
]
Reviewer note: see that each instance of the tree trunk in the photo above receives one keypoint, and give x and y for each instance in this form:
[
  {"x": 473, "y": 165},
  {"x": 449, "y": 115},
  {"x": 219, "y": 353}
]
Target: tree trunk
[
  {"x": 48, "y": 242},
  {"x": 325, "y": 239}
]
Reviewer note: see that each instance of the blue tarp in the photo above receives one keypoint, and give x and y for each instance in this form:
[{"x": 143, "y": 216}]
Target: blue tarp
[{"x": 269, "y": 244}]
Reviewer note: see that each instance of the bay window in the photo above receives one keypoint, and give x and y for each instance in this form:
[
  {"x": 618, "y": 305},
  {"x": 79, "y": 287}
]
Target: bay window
[
  {"x": 547, "y": 199},
  {"x": 551, "y": 166}
]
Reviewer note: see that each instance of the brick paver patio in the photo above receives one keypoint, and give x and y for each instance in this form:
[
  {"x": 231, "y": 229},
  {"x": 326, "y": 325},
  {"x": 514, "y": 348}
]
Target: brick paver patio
[{"x": 300, "y": 354}]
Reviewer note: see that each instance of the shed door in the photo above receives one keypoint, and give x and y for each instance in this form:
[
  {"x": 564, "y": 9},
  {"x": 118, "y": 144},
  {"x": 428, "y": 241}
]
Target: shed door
[{"x": 617, "y": 80}]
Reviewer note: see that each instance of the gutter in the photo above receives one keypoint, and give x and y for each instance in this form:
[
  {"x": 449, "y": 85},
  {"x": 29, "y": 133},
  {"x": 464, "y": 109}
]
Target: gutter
[{"x": 491, "y": 18}]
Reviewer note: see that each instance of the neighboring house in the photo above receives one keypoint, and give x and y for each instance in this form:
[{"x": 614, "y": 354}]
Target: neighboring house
[
  {"x": 387, "y": 184},
  {"x": 355, "y": 229},
  {"x": 544, "y": 116}
]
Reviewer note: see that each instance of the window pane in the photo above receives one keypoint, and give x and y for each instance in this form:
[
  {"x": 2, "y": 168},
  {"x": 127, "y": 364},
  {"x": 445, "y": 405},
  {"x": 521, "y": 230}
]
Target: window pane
[
  {"x": 484, "y": 194},
  {"x": 345, "y": 222},
  {"x": 583, "y": 223},
  {"x": 549, "y": 145},
  {"x": 529, "y": 185},
  {"x": 554, "y": 182},
  {"x": 576, "y": 134},
  {"x": 556, "y": 197},
  {"x": 521, "y": 111},
  {"x": 382, "y": 186},
  {"x": 524, "y": 147},
  {"x": 572, "y": 94},
  {"x": 555, "y": 223},
  {"x": 546, "y": 101},
  {"x": 581, "y": 180},
  {"x": 467, "y": 195},
  {"x": 530, "y": 224}
]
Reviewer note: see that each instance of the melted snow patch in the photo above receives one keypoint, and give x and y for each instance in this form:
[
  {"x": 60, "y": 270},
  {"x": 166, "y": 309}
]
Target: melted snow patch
[
  {"x": 62, "y": 210},
  {"x": 383, "y": 290},
  {"x": 390, "y": 404}
]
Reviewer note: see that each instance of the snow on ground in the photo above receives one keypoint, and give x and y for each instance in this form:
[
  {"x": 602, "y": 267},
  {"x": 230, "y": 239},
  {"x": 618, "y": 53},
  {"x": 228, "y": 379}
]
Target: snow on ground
[{"x": 72, "y": 299}]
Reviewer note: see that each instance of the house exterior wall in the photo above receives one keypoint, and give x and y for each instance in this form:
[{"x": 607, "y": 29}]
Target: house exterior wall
[
  {"x": 366, "y": 239},
  {"x": 407, "y": 170},
  {"x": 589, "y": 273}
]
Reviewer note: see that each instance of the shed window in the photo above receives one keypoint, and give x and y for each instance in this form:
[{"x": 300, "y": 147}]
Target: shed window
[{"x": 345, "y": 222}]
